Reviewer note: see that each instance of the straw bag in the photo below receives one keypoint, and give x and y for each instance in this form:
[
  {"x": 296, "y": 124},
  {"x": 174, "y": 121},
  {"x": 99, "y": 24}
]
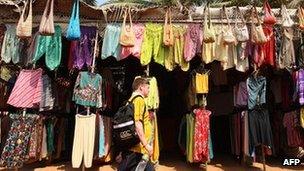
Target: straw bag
[
  {"x": 73, "y": 31},
  {"x": 24, "y": 26},
  {"x": 127, "y": 35},
  {"x": 228, "y": 36},
  {"x": 46, "y": 26},
  {"x": 241, "y": 33},
  {"x": 208, "y": 35},
  {"x": 168, "y": 30},
  {"x": 257, "y": 33},
  {"x": 269, "y": 18}
]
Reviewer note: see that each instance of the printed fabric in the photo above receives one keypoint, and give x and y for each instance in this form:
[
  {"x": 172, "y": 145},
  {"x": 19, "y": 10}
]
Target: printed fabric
[
  {"x": 10, "y": 47},
  {"x": 201, "y": 135},
  {"x": 16, "y": 147},
  {"x": 301, "y": 86},
  {"x": 193, "y": 41}
]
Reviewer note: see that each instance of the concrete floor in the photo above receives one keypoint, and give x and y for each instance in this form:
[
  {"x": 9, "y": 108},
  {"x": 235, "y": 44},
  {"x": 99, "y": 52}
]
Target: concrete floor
[{"x": 173, "y": 163}]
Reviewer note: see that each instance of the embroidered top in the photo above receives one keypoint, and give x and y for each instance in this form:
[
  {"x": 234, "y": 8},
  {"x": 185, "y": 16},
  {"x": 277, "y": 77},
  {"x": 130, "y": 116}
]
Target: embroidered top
[{"x": 88, "y": 89}]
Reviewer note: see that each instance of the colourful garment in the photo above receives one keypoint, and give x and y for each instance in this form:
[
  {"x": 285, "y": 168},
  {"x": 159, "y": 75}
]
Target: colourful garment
[
  {"x": 256, "y": 88},
  {"x": 291, "y": 123},
  {"x": 51, "y": 46},
  {"x": 135, "y": 50},
  {"x": 193, "y": 41},
  {"x": 47, "y": 101},
  {"x": 179, "y": 34},
  {"x": 16, "y": 147},
  {"x": 101, "y": 152},
  {"x": 152, "y": 101},
  {"x": 27, "y": 90},
  {"x": 88, "y": 89},
  {"x": 82, "y": 52},
  {"x": 2, "y": 33},
  {"x": 111, "y": 45},
  {"x": 241, "y": 62},
  {"x": 300, "y": 83},
  {"x": 269, "y": 47},
  {"x": 10, "y": 47},
  {"x": 152, "y": 45},
  {"x": 174, "y": 54},
  {"x": 201, "y": 134},
  {"x": 240, "y": 94},
  {"x": 190, "y": 137},
  {"x": 302, "y": 117},
  {"x": 287, "y": 54},
  {"x": 201, "y": 83}
]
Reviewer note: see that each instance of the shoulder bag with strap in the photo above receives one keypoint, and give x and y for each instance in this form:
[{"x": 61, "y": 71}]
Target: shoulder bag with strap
[
  {"x": 127, "y": 35},
  {"x": 269, "y": 17},
  {"x": 241, "y": 33},
  {"x": 168, "y": 29},
  {"x": 208, "y": 35},
  {"x": 257, "y": 33},
  {"x": 228, "y": 36},
  {"x": 73, "y": 32},
  {"x": 24, "y": 26},
  {"x": 46, "y": 26}
]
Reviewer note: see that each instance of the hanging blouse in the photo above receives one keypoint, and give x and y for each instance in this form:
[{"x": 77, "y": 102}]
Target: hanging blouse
[
  {"x": 256, "y": 88},
  {"x": 88, "y": 90},
  {"x": 201, "y": 83}
]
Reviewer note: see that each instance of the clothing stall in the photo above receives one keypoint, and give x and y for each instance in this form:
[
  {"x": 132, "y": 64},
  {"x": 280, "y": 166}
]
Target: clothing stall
[{"x": 222, "y": 80}]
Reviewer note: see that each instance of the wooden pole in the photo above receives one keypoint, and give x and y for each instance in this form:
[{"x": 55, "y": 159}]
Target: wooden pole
[{"x": 263, "y": 158}]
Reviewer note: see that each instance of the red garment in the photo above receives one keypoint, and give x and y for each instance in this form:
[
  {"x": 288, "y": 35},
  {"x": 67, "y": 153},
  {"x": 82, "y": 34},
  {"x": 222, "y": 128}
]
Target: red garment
[
  {"x": 201, "y": 132},
  {"x": 265, "y": 53},
  {"x": 269, "y": 47}
]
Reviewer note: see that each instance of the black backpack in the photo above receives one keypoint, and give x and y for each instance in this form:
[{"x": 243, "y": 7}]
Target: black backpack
[{"x": 124, "y": 131}]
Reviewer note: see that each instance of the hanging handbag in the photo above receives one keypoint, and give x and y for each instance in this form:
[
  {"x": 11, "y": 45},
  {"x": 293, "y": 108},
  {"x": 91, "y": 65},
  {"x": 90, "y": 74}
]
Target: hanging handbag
[
  {"x": 301, "y": 18},
  {"x": 241, "y": 33},
  {"x": 168, "y": 30},
  {"x": 228, "y": 35},
  {"x": 24, "y": 26},
  {"x": 208, "y": 35},
  {"x": 269, "y": 17},
  {"x": 46, "y": 26},
  {"x": 257, "y": 33},
  {"x": 73, "y": 31},
  {"x": 286, "y": 20},
  {"x": 127, "y": 35}
]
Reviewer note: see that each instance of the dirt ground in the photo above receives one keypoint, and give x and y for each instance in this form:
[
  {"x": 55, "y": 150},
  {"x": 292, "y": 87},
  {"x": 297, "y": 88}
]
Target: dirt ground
[{"x": 171, "y": 163}]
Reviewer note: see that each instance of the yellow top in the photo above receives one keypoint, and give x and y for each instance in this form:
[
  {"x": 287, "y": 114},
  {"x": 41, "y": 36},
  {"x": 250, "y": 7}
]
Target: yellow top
[
  {"x": 139, "y": 107},
  {"x": 201, "y": 83}
]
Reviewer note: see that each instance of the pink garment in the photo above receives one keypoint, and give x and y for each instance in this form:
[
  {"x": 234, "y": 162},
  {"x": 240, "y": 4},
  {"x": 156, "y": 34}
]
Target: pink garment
[
  {"x": 193, "y": 41},
  {"x": 135, "y": 50},
  {"x": 292, "y": 124},
  {"x": 27, "y": 90},
  {"x": 201, "y": 150}
]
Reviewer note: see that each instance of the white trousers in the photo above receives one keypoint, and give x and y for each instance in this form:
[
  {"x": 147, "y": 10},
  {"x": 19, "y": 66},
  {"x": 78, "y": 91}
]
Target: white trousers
[{"x": 84, "y": 136}]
